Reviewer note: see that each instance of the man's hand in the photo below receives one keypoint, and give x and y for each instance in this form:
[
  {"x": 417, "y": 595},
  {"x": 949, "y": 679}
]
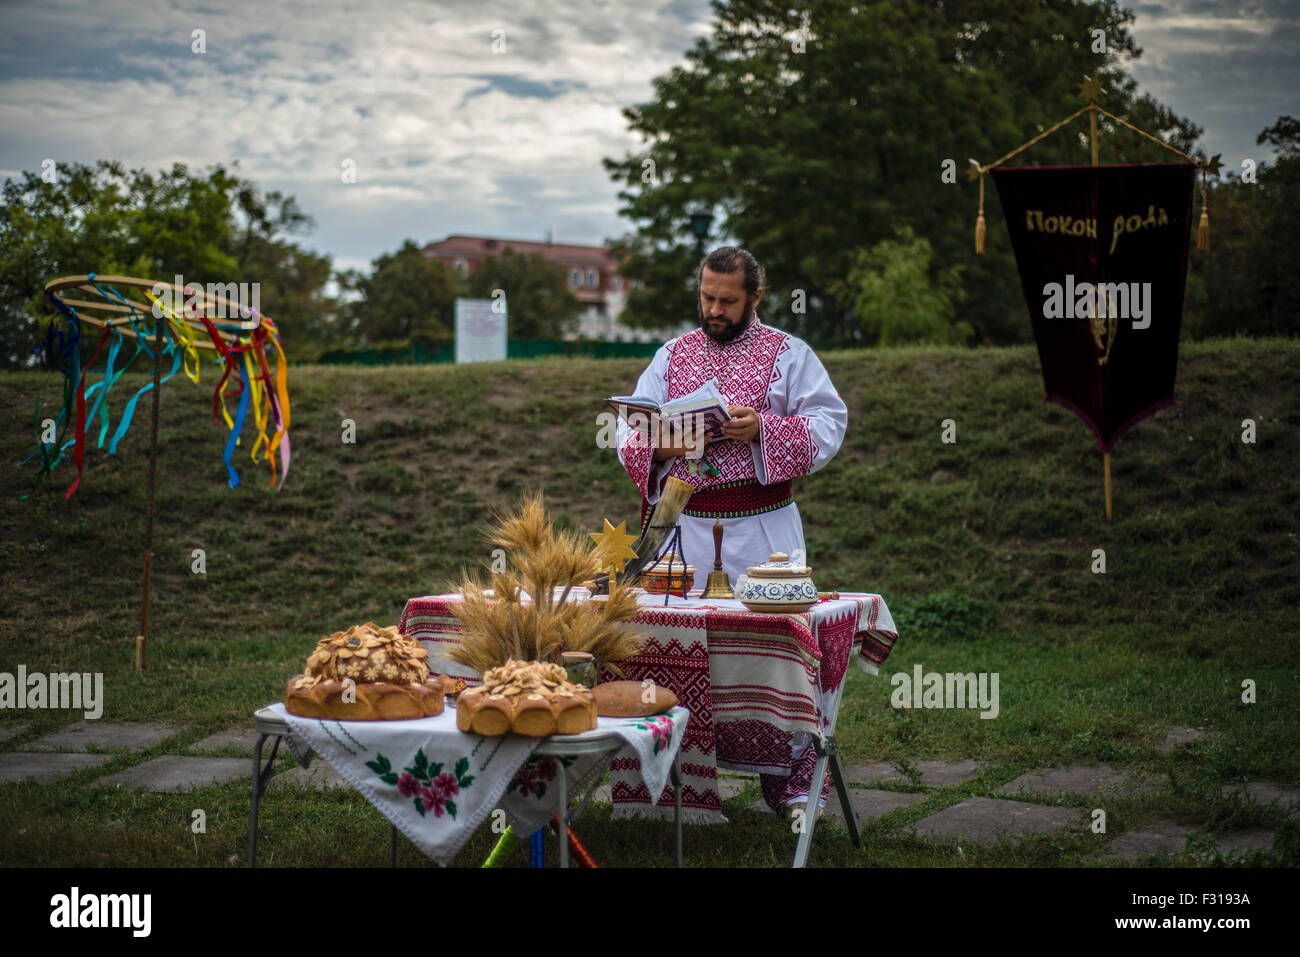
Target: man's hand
[
  {"x": 672, "y": 442},
  {"x": 743, "y": 426}
]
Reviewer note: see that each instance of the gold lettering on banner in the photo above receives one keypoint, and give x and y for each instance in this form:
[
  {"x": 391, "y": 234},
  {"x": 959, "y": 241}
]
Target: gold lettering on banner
[{"x": 1063, "y": 225}]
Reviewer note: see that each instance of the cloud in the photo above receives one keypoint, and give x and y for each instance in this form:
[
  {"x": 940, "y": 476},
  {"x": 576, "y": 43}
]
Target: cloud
[
  {"x": 1230, "y": 67},
  {"x": 445, "y": 134}
]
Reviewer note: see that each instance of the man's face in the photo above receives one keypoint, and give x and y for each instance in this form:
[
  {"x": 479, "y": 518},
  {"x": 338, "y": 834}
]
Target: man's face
[{"x": 724, "y": 307}]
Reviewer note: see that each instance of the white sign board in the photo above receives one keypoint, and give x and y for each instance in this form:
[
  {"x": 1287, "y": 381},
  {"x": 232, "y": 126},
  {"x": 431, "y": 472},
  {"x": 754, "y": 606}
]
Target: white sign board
[{"x": 480, "y": 330}]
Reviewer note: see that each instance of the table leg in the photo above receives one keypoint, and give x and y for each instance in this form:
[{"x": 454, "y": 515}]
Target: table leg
[
  {"x": 586, "y": 799},
  {"x": 564, "y": 815},
  {"x": 675, "y": 776},
  {"x": 255, "y": 793},
  {"x": 837, "y": 775},
  {"x": 810, "y": 811}
]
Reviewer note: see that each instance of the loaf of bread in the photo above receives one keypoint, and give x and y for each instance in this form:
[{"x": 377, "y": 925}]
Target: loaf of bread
[
  {"x": 368, "y": 673},
  {"x": 632, "y": 699},
  {"x": 532, "y": 698}
]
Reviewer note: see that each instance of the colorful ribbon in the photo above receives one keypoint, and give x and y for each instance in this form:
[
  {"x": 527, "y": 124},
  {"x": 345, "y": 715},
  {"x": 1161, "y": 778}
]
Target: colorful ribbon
[{"x": 263, "y": 397}]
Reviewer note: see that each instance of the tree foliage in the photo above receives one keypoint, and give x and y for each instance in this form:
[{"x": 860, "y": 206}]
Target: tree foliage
[
  {"x": 109, "y": 220},
  {"x": 539, "y": 303},
  {"x": 820, "y": 128},
  {"x": 1248, "y": 281},
  {"x": 899, "y": 299},
  {"x": 406, "y": 300}
]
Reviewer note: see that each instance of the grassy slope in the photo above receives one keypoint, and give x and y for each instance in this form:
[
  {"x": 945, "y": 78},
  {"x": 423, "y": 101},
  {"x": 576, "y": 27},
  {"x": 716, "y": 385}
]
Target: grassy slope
[{"x": 983, "y": 548}]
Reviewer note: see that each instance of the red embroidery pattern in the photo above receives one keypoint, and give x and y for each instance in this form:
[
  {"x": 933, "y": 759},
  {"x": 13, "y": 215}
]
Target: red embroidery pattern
[
  {"x": 787, "y": 445},
  {"x": 753, "y": 357},
  {"x": 683, "y": 670},
  {"x": 638, "y": 458},
  {"x": 729, "y": 622},
  {"x": 835, "y": 635},
  {"x": 754, "y": 743}
]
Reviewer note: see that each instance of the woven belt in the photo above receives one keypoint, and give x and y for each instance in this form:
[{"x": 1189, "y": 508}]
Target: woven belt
[
  {"x": 734, "y": 500},
  {"x": 739, "y": 499}
]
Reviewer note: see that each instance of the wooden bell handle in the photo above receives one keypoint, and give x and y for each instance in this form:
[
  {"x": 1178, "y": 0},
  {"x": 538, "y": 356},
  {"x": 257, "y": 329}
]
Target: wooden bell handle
[{"x": 717, "y": 544}]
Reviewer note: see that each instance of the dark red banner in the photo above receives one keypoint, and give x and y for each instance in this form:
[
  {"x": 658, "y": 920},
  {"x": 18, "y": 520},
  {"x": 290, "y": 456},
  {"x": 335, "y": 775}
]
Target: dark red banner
[{"x": 1102, "y": 254}]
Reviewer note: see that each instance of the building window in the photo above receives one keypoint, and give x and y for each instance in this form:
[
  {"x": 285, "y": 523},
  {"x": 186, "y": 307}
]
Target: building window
[
  {"x": 461, "y": 267},
  {"x": 593, "y": 280},
  {"x": 575, "y": 278}
]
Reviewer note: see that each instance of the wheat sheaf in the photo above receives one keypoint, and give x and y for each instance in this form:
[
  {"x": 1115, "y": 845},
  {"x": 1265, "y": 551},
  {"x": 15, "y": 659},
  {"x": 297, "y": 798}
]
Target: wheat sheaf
[{"x": 519, "y": 615}]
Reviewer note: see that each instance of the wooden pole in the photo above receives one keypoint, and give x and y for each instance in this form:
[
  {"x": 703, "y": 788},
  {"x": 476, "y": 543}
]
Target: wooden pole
[
  {"x": 142, "y": 640},
  {"x": 1092, "y": 138},
  {"x": 1105, "y": 456}
]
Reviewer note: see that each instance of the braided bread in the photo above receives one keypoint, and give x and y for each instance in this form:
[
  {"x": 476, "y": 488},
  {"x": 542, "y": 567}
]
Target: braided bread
[{"x": 367, "y": 673}]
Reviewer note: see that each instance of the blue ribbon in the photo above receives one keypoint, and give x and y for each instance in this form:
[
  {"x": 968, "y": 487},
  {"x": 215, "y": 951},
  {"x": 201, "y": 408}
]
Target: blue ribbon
[
  {"x": 129, "y": 411},
  {"x": 233, "y": 440}
]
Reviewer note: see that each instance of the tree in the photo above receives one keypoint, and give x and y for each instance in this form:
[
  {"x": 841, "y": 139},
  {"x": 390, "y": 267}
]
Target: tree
[
  {"x": 106, "y": 219},
  {"x": 894, "y": 297},
  {"x": 539, "y": 303},
  {"x": 813, "y": 129},
  {"x": 407, "y": 300}
]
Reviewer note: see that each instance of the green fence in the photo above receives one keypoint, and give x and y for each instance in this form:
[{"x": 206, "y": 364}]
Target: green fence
[{"x": 515, "y": 349}]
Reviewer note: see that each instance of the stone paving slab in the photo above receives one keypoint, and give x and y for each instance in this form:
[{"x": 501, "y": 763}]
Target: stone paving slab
[
  {"x": 236, "y": 739},
  {"x": 44, "y": 767},
  {"x": 174, "y": 773},
  {"x": 131, "y": 735},
  {"x": 320, "y": 775},
  {"x": 869, "y": 803},
  {"x": 11, "y": 730},
  {"x": 987, "y": 819},
  {"x": 1180, "y": 737},
  {"x": 1136, "y": 844},
  {"x": 1266, "y": 793},
  {"x": 933, "y": 773},
  {"x": 1088, "y": 780},
  {"x": 1251, "y": 839},
  {"x": 1171, "y": 838}
]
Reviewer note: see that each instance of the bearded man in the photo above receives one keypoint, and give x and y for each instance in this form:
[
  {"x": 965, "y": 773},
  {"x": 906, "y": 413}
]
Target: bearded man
[{"x": 787, "y": 421}]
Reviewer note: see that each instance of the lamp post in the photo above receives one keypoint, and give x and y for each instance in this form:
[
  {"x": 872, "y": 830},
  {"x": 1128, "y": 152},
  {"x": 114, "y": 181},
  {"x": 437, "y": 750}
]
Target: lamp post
[{"x": 701, "y": 219}]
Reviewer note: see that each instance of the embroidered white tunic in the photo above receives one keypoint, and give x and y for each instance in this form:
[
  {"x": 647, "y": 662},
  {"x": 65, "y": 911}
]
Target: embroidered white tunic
[{"x": 801, "y": 426}]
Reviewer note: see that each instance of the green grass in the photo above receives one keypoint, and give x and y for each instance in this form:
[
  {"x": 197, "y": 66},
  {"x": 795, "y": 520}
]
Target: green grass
[{"x": 983, "y": 549}]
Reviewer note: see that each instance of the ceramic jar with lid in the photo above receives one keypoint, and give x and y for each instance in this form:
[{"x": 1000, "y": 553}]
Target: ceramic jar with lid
[{"x": 777, "y": 585}]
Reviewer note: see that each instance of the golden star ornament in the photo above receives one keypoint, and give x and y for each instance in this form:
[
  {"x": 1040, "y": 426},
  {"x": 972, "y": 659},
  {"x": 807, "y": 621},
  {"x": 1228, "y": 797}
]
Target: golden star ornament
[{"x": 613, "y": 545}]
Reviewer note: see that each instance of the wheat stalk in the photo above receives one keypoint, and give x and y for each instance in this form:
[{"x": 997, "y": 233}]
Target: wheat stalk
[{"x": 503, "y": 626}]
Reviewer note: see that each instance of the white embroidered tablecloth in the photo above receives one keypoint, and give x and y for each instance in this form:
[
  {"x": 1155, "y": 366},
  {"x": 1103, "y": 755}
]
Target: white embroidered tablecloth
[
  {"x": 438, "y": 784},
  {"x": 752, "y": 682}
]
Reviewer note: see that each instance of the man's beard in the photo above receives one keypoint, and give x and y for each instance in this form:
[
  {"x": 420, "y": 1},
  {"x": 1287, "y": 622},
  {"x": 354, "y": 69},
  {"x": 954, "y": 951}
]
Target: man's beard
[{"x": 729, "y": 331}]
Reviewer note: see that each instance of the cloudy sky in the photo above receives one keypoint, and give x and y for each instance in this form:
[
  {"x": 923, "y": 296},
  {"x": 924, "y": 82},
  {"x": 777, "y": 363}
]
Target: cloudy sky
[{"x": 448, "y": 134}]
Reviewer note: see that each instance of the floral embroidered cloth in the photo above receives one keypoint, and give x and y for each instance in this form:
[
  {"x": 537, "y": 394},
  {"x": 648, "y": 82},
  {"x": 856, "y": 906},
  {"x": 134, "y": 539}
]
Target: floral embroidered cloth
[
  {"x": 437, "y": 784},
  {"x": 756, "y": 685}
]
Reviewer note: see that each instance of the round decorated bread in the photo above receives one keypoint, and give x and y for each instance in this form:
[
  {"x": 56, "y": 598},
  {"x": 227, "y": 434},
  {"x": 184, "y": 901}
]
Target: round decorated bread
[
  {"x": 367, "y": 673},
  {"x": 532, "y": 698}
]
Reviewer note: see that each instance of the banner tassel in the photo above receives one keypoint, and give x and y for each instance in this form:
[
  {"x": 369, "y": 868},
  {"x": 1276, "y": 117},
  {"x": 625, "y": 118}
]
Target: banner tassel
[{"x": 979, "y": 222}]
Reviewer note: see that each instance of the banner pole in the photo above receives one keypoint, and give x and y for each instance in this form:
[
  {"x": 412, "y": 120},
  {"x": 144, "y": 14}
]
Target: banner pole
[
  {"x": 1092, "y": 139},
  {"x": 1105, "y": 456}
]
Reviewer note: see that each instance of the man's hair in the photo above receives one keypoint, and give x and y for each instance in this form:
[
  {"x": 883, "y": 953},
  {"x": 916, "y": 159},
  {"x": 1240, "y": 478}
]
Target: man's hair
[{"x": 733, "y": 259}]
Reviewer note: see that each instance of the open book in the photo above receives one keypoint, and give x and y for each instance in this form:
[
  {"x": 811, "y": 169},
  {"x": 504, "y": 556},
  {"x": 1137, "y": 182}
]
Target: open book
[{"x": 705, "y": 406}]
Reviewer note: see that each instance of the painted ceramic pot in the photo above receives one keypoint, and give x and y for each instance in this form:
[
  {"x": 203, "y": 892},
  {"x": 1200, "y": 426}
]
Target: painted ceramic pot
[
  {"x": 657, "y": 580},
  {"x": 777, "y": 585}
]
